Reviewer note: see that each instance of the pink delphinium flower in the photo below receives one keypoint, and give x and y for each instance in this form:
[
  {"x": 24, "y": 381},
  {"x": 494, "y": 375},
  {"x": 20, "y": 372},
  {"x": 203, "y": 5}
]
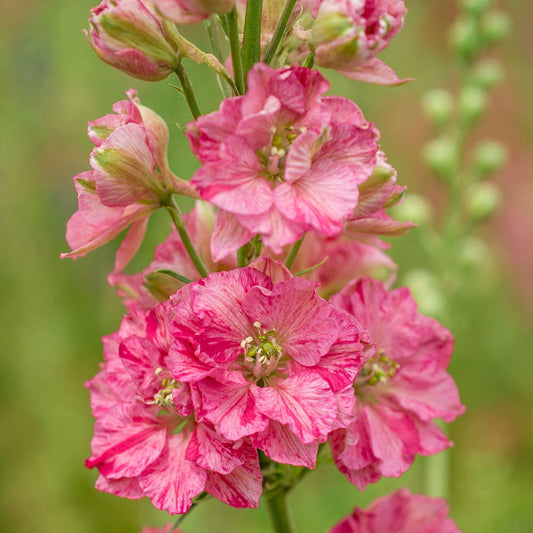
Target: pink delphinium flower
[
  {"x": 191, "y": 11},
  {"x": 146, "y": 440},
  {"x": 281, "y": 160},
  {"x": 130, "y": 179},
  {"x": 400, "y": 512},
  {"x": 132, "y": 36},
  {"x": 347, "y": 35},
  {"x": 265, "y": 359},
  {"x": 401, "y": 390}
]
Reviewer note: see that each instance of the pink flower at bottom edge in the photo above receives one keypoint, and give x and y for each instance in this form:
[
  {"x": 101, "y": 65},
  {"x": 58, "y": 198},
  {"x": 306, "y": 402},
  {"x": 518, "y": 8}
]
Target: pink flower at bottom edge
[{"x": 400, "y": 512}]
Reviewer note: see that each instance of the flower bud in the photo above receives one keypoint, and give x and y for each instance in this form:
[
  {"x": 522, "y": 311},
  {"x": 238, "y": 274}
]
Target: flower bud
[
  {"x": 472, "y": 104},
  {"x": 489, "y": 157},
  {"x": 131, "y": 36},
  {"x": 414, "y": 208},
  {"x": 191, "y": 11},
  {"x": 426, "y": 290},
  {"x": 441, "y": 156},
  {"x": 161, "y": 285},
  {"x": 482, "y": 200},
  {"x": 437, "y": 105},
  {"x": 495, "y": 26},
  {"x": 346, "y": 34},
  {"x": 488, "y": 73},
  {"x": 475, "y": 7},
  {"x": 464, "y": 37}
]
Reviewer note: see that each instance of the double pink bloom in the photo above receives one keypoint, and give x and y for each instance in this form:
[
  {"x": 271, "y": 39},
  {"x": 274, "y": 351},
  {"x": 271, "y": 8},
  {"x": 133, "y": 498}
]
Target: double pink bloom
[{"x": 282, "y": 159}]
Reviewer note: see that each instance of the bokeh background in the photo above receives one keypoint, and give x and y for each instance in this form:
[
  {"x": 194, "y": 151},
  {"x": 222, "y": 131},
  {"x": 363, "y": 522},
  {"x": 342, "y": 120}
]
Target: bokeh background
[{"x": 53, "y": 313}]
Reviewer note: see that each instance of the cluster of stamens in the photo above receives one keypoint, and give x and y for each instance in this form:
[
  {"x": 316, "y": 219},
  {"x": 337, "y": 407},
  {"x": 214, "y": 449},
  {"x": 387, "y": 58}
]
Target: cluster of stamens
[
  {"x": 261, "y": 352},
  {"x": 163, "y": 398},
  {"x": 274, "y": 159},
  {"x": 378, "y": 369}
]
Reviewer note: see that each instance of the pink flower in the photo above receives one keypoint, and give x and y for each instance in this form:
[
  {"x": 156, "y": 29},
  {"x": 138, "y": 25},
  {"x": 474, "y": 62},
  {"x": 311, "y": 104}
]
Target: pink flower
[
  {"x": 146, "y": 440},
  {"x": 130, "y": 35},
  {"x": 281, "y": 160},
  {"x": 400, "y": 512},
  {"x": 191, "y": 11},
  {"x": 401, "y": 390},
  {"x": 130, "y": 179},
  {"x": 347, "y": 35},
  {"x": 265, "y": 359},
  {"x": 165, "y": 529}
]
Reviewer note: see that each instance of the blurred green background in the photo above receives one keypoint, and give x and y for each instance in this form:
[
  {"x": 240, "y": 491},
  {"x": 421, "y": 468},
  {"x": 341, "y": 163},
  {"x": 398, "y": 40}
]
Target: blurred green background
[{"x": 53, "y": 313}]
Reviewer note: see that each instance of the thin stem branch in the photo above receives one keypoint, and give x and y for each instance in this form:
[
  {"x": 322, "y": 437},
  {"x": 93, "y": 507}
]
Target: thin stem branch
[
  {"x": 278, "y": 510},
  {"x": 188, "y": 91},
  {"x": 294, "y": 252},
  {"x": 279, "y": 32},
  {"x": 309, "y": 61},
  {"x": 175, "y": 214},
  {"x": 251, "y": 46},
  {"x": 236, "y": 58}
]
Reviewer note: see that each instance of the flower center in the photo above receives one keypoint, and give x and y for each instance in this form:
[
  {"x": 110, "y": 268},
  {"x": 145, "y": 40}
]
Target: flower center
[
  {"x": 273, "y": 156},
  {"x": 163, "y": 397},
  {"x": 261, "y": 352},
  {"x": 378, "y": 369}
]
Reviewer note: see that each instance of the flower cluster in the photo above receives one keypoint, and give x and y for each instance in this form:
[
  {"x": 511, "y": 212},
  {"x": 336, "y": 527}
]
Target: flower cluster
[{"x": 256, "y": 336}]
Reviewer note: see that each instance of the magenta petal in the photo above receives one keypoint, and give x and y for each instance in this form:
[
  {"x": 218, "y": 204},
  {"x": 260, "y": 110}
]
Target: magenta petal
[
  {"x": 283, "y": 446},
  {"x": 141, "y": 357},
  {"x": 228, "y": 236},
  {"x": 303, "y": 402},
  {"x": 212, "y": 452},
  {"x": 125, "y": 487},
  {"x": 172, "y": 481},
  {"x": 126, "y": 440},
  {"x": 374, "y": 71},
  {"x": 299, "y": 316},
  {"x": 131, "y": 243},
  {"x": 232, "y": 408},
  {"x": 394, "y": 439},
  {"x": 241, "y": 488}
]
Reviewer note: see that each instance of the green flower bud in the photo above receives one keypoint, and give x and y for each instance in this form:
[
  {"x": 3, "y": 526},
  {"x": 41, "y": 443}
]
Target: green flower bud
[
  {"x": 437, "y": 104},
  {"x": 464, "y": 37},
  {"x": 482, "y": 200},
  {"x": 476, "y": 6},
  {"x": 426, "y": 291},
  {"x": 441, "y": 156},
  {"x": 488, "y": 73},
  {"x": 489, "y": 157},
  {"x": 472, "y": 104},
  {"x": 414, "y": 208},
  {"x": 495, "y": 25}
]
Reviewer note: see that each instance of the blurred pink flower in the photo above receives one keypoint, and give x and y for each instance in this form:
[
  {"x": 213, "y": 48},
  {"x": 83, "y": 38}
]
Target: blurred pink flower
[
  {"x": 131, "y": 35},
  {"x": 130, "y": 179},
  {"x": 281, "y": 160},
  {"x": 400, "y": 512},
  {"x": 266, "y": 360},
  {"x": 347, "y": 35},
  {"x": 401, "y": 390}
]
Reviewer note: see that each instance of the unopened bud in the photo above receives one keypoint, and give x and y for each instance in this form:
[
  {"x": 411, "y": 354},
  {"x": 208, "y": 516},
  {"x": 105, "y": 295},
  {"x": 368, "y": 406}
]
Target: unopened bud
[
  {"x": 414, "y": 208},
  {"x": 488, "y": 73},
  {"x": 437, "y": 104},
  {"x": 131, "y": 36},
  {"x": 482, "y": 201},
  {"x": 476, "y": 6},
  {"x": 473, "y": 253},
  {"x": 489, "y": 157},
  {"x": 441, "y": 156},
  {"x": 161, "y": 285},
  {"x": 464, "y": 37},
  {"x": 426, "y": 291},
  {"x": 495, "y": 26},
  {"x": 472, "y": 104}
]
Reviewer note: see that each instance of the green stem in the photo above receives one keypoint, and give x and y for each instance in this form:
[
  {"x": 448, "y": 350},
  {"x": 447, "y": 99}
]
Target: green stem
[
  {"x": 188, "y": 91},
  {"x": 175, "y": 214},
  {"x": 213, "y": 39},
  {"x": 236, "y": 58},
  {"x": 278, "y": 510},
  {"x": 309, "y": 61},
  {"x": 294, "y": 252},
  {"x": 242, "y": 252},
  {"x": 279, "y": 32},
  {"x": 251, "y": 46}
]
